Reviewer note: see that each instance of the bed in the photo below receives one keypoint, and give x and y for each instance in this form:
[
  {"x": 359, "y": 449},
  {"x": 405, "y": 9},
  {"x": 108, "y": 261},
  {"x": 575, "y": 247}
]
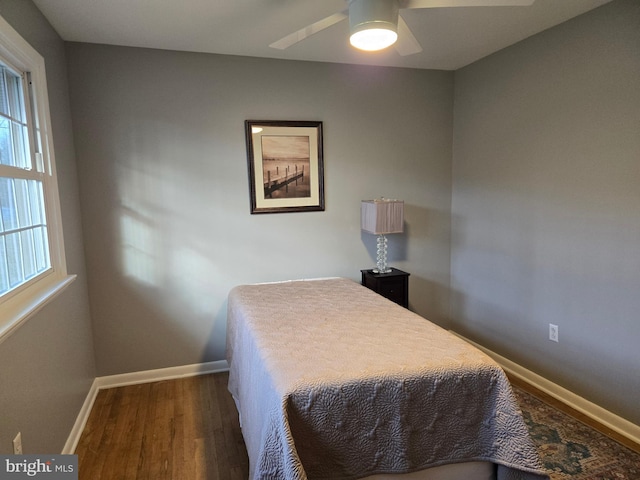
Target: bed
[{"x": 333, "y": 381}]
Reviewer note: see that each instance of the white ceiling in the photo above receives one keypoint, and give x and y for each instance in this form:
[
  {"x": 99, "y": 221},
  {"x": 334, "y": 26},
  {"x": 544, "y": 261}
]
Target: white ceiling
[{"x": 450, "y": 37}]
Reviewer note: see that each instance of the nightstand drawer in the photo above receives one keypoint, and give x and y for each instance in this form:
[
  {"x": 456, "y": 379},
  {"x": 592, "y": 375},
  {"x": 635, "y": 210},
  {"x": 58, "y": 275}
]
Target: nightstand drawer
[{"x": 393, "y": 290}]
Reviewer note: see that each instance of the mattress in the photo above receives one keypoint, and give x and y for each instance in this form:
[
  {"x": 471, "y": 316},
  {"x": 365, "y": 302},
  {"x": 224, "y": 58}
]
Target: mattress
[{"x": 334, "y": 381}]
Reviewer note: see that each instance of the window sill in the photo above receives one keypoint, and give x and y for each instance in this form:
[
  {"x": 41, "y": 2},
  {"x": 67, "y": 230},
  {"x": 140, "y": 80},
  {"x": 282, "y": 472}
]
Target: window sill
[{"x": 17, "y": 310}]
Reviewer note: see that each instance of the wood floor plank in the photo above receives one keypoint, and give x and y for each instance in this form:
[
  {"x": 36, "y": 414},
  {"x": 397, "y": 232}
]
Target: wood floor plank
[
  {"x": 213, "y": 423},
  {"x": 105, "y": 445},
  {"x": 178, "y": 450},
  {"x": 93, "y": 433},
  {"x": 160, "y": 436},
  {"x": 120, "y": 447},
  {"x": 201, "y": 463},
  {"x": 133, "y": 454},
  {"x": 191, "y": 430}
]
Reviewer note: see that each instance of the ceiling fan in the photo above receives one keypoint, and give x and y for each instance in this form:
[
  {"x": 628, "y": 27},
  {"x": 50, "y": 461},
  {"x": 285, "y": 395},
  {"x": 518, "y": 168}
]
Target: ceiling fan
[{"x": 376, "y": 24}]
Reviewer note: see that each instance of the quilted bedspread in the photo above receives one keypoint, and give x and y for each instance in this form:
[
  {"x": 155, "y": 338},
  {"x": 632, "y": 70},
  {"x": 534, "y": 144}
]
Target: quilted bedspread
[{"x": 334, "y": 381}]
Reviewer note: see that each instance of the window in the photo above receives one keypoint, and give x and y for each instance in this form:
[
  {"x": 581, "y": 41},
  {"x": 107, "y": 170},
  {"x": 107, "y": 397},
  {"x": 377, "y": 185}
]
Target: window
[
  {"x": 32, "y": 263},
  {"x": 24, "y": 247}
]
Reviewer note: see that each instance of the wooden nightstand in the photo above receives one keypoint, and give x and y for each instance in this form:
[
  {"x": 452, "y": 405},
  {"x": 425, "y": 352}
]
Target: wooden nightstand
[{"x": 393, "y": 285}]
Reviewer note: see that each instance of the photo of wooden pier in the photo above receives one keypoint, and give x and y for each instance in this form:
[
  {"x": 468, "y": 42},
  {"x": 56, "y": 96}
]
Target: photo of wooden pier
[{"x": 286, "y": 166}]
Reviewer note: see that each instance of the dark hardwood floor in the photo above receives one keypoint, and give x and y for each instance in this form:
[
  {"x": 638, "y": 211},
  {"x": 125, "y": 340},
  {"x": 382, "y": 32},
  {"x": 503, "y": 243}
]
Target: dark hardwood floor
[{"x": 176, "y": 429}]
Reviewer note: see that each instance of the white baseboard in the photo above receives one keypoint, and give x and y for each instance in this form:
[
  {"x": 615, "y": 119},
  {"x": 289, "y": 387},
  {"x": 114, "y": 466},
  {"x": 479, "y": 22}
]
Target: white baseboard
[
  {"x": 159, "y": 374},
  {"x": 601, "y": 415},
  {"x": 81, "y": 420},
  {"x": 134, "y": 378}
]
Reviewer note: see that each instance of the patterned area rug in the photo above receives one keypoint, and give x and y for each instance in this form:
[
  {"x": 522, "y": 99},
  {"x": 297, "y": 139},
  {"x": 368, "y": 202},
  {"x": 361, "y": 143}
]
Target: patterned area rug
[{"x": 570, "y": 449}]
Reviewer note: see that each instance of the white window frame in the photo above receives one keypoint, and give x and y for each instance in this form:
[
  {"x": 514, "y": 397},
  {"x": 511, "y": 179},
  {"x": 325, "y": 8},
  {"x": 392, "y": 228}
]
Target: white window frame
[{"x": 19, "y": 305}]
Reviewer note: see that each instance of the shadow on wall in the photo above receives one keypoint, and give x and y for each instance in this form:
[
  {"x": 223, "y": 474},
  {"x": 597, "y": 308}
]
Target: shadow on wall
[
  {"x": 430, "y": 299},
  {"x": 217, "y": 341}
]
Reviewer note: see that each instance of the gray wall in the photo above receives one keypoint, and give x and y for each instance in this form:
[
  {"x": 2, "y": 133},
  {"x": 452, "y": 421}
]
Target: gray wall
[
  {"x": 47, "y": 365},
  {"x": 546, "y": 204},
  {"x": 165, "y": 198}
]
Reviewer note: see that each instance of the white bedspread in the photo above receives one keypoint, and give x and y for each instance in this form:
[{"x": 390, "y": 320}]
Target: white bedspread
[{"x": 334, "y": 381}]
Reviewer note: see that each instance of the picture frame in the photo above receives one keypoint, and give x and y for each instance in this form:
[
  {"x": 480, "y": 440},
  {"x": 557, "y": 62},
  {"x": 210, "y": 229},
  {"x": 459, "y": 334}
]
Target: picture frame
[{"x": 286, "y": 166}]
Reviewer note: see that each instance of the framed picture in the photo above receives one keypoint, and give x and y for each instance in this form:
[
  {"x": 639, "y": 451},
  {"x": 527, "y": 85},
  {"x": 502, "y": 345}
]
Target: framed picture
[{"x": 286, "y": 172}]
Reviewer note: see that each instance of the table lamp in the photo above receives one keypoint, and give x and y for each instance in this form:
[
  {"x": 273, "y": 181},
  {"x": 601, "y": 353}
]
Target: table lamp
[{"x": 381, "y": 217}]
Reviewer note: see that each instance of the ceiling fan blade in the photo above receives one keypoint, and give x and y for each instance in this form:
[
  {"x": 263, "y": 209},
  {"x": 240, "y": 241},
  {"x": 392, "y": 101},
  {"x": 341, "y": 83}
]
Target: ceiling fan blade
[
  {"x": 406, "y": 43},
  {"x": 463, "y": 3},
  {"x": 306, "y": 32}
]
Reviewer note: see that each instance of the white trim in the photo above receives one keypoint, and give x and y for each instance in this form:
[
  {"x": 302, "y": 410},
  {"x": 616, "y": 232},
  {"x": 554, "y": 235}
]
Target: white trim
[
  {"x": 18, "y": 51},
  {"x": 169, "y": 373},
  {"x": 134, "y": 378},
  {"x": 599, "y": 414},
  {"x": 20, "y": 307},
  {"x": 81, "y": 420}
]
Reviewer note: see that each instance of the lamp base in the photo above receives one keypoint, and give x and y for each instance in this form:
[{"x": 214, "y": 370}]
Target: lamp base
[
  {"x": 388, "y": 270},
  {"x": 381, "y": 261}
]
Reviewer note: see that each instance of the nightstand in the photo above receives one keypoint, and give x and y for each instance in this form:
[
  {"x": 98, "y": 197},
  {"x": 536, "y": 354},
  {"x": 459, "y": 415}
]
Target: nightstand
[{"x": 393, "y": 285}]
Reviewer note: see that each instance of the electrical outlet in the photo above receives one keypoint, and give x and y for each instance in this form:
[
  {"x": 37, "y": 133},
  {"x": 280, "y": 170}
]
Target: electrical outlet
[
  {"x": 553, "y": 332},
  {"x": 17, "y": 444}
]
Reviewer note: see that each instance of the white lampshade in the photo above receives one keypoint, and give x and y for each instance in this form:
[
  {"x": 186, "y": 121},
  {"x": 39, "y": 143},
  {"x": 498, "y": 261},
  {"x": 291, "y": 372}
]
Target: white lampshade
[
  {"x": 382, "y": 216},
  {"x": 373, "y": 24}
]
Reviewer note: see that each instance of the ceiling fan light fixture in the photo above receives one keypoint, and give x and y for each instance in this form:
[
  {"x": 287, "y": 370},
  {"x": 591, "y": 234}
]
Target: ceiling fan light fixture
[
  {"x": 373, "y": 23},
  {"x": 373, "y": 39}
]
